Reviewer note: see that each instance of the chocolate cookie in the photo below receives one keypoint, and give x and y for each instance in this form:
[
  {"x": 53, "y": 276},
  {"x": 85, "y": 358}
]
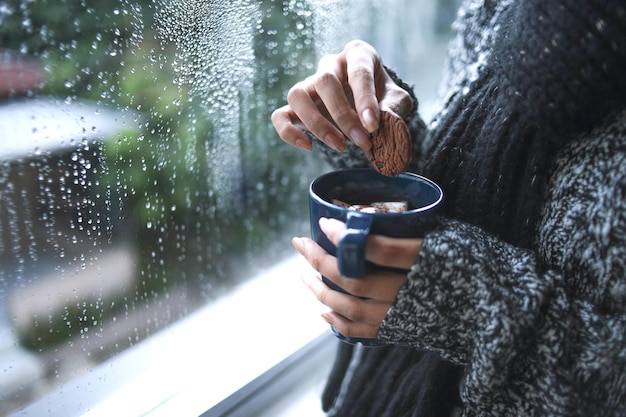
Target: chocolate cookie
[{"x": 391, "y": 145}]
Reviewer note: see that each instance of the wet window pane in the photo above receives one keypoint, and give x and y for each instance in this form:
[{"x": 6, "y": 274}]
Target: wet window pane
[{"x": 140, "y": 178}]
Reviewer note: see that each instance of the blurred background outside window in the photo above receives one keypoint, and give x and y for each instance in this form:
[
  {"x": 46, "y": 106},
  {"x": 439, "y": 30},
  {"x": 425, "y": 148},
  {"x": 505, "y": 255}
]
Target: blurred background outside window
[{"x": 140, "y": 178}]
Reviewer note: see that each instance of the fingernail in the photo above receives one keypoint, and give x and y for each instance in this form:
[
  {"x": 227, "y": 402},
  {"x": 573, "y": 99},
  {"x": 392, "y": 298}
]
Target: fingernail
[
  {"x": 327, "y": 318},
  {"x": 360, "y": 138},
  {"x": 324, "y": 223},
  {"x": 303, "y": 144},
  {"x": 298, "y": 243},
  {"x": 370, "y": 120}
]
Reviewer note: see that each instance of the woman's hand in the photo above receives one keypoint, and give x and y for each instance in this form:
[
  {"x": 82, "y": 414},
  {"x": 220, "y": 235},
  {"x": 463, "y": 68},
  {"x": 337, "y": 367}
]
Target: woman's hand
[
  {"x": 344, "y": 97},
  {"x": 359, "y": 313}
]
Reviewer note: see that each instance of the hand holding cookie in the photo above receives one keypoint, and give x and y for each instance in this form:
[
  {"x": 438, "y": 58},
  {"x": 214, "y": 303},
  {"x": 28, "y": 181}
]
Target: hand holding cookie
[
  {"x": 391, "y": 151},
  {"x": 343, "y": 99}
]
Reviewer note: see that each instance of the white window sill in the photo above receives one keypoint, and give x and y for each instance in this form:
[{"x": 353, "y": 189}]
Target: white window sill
[{"x": 195, "y": 364}]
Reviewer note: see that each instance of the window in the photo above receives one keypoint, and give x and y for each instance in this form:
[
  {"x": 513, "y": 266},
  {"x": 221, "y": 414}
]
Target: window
[{"x": 144, "y": 196}]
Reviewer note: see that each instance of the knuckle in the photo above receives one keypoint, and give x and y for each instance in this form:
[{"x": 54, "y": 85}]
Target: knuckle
[
  {"x": 356, "y": 44},
  {"x": 346, "y": 330},
  {"x": 400, "y": 102},
  {"x": 295, "y": 93},
  {"x": 315, "y": 261},
  {"x": 352, "y": 286},
  {"x": 386, "y": 254},
  {"x": 323, "y": 295},
  {"x": 277, "y": 117},
  {"x": 327, "y": 78},
  {"x": 344, "y": 115},
  {"x": 316, "y": 123},
  {"x": 354, "y": 310},
  {"x": 362, "y": 72}
]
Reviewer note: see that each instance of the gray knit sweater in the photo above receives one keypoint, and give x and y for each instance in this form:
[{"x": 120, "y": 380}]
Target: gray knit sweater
[
  {"x": 526, "y": 292},
  {"x": 535, "y": 341}
]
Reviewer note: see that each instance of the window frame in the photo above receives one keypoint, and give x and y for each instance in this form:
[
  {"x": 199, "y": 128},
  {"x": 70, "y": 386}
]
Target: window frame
[{"x": 139, "y": 382}]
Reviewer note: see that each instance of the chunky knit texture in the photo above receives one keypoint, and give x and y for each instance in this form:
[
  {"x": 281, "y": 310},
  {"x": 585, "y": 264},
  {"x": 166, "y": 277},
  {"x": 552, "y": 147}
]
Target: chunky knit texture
[
  {"x": 542, "y": 72},
  {"x": 522, "y": 289}
]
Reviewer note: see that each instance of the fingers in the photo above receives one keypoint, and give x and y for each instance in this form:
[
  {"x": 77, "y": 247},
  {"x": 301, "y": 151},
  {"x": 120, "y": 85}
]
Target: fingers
[
  {"x": 338, "y": 101},
  {"x": 342, "y": 99},
  {"x": 319, "y": 259},
  {"x": 324, "y": 105},
  {"x": 286, "y": 124},
  {"x": 363, "y": 67},
  {"x": 331, "y": 86},
  {"x": 351, "y": 316},
  {"x": 307, "y": 107},
  {"x": 359, "y": 312},
  {"x": 380, "y": 285},
  {"x": 381, "y": 250},
  {"x": 350, "y": 328},
  {"x": 373, "y": 89}
]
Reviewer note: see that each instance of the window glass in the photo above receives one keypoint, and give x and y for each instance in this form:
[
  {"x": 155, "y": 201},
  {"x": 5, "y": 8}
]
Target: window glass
[{"x": 140, "y": 177}]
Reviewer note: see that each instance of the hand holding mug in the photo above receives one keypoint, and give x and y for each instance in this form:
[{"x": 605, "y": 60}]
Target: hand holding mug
[
  {"x": 364, "y": 257},
  {"x": 358, "y": 312}
]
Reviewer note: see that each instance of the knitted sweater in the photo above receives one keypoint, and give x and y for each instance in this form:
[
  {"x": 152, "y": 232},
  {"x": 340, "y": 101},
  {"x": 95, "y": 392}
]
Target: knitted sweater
[{"x": 523, "y": 286}]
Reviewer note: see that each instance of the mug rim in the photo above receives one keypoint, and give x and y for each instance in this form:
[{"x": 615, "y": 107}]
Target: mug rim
[{"x": 423, "y": 179}]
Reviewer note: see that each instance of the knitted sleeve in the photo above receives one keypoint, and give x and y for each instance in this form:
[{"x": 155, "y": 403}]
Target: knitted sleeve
[{"x": 538, "y": 332}]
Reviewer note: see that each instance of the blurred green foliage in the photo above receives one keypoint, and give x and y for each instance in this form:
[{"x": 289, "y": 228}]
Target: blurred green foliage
[
  {"x": 110, "y": 52},
  {"x": 157, "y": 173}
]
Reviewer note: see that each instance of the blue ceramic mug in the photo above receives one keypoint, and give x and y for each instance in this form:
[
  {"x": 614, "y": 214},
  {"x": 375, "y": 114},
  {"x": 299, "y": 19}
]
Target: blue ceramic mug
[{"x": 364, "y": 186}]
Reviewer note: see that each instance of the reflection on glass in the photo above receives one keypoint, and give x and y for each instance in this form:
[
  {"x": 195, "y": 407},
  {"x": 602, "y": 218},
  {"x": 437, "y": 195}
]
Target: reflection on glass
[{"x": 139, "y": 174}]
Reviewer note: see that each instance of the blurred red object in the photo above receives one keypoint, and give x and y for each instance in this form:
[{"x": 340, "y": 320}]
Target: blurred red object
[{"x": 20, "y": 74}]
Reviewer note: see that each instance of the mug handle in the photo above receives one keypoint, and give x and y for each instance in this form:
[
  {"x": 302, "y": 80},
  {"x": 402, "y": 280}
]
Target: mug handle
[{"x": 351, "y": 249}]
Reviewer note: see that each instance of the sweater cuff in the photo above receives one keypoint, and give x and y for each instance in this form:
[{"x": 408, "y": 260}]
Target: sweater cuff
[{"x": 467, "y": 288}]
